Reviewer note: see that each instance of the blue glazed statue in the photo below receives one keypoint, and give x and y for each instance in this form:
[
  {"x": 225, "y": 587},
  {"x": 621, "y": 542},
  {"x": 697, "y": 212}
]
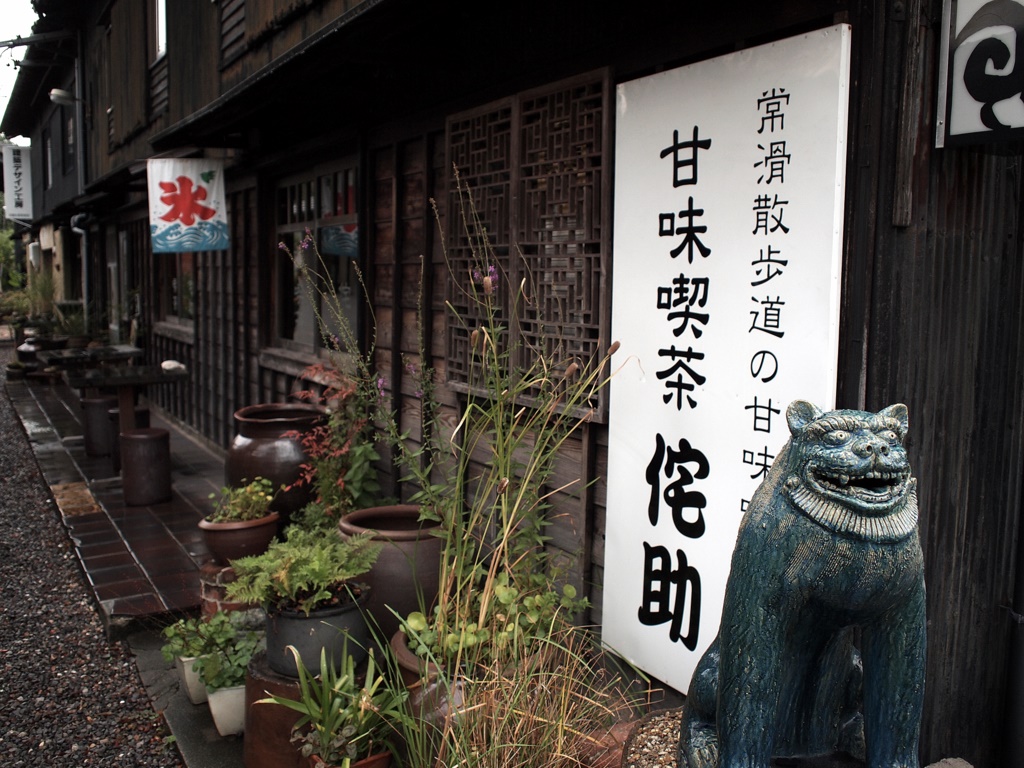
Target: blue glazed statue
[{"x": 821, "y": 648}]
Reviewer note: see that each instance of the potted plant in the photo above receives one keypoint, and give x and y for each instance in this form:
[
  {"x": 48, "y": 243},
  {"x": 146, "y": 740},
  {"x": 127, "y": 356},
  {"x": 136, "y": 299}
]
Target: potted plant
[
  {"x": 223, "y": 671},
  {"x": 241, "y": 522},
  {"x": 268, "y": 444},
  {"x": 189, "y": 638},
  {"x": 340, "y": 471},
  {"x": 15, "y": 370},
  {"x": 347, "y": 719},
  {"x": 307, "y": 584},
  {"x": 502, "y": 634}
]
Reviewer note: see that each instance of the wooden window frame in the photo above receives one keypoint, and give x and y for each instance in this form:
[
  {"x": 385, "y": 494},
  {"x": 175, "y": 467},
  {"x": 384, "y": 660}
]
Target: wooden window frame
[{"x": 548, "y": 218}]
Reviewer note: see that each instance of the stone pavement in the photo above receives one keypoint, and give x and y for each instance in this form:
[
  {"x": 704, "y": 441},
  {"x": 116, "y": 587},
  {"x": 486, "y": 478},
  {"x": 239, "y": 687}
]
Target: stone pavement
[{"x": 141, "y": 562}]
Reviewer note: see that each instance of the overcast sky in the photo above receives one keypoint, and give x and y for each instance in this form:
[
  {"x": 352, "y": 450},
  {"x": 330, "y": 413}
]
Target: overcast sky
[{"x": 16, "y": 19}]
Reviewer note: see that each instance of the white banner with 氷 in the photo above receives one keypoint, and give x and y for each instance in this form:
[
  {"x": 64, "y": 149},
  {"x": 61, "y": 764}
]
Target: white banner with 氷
[
  {"x": 187, "y": 210},
  {"x": 17, "y": 182},
  {"x": 729, "y": 178}
]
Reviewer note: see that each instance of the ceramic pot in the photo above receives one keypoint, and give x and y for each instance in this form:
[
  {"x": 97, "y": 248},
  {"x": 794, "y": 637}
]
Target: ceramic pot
[
  {"x": 334, "y": 629},
  {"x": 194, "y": 688},
  {"x": 239, "y": 538},
  {"x": 268, "y": 444},
  {"x": 268, "y": 727},
  {"x": 405, "y": 576},
  {"x": 227, "y": 707},
  {"x": 431, "y": 697}
]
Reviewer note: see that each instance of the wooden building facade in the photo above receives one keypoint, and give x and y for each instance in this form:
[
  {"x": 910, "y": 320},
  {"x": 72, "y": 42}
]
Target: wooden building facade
[{"x": 342, "y": 114}]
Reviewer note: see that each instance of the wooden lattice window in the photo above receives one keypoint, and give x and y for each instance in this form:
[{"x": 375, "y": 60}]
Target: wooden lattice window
[{"x": 534, "y": 165}]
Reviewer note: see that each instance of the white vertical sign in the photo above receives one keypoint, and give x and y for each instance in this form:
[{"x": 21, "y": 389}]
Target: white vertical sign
[
  {"x": 17, "y": 182},
  {"x": 729, "y": 181}
]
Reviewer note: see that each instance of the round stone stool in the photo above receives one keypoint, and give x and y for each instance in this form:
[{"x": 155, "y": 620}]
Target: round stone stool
[
  {"x": 141, "y": 421},
  {"x": 146, "y": 466},
  {"x": 96, "y": 424}
]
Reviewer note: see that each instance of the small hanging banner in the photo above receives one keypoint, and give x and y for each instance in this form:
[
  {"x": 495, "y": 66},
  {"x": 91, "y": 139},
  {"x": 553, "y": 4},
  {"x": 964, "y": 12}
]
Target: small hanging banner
[
  {"x": 186, "y": 205},
  {"x": 17, "y": 182}
]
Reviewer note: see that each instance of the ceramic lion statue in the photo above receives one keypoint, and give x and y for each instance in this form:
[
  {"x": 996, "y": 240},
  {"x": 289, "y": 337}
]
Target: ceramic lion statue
[{"x": 821, "y": 648}]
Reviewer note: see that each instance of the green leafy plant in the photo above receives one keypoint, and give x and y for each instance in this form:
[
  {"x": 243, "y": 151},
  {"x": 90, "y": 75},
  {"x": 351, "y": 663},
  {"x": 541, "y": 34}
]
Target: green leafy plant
[
  {"x": 190, "y": 637},
  {"x": 238, "y": 504},
  {"x": 223, "y": 646},
  {"x": 342, "y": 451},
  {"x": 345, "y": 716},
  {"x": 309, "y": 569},
  {"x": 490, "y": 479},
  {"x": 505, "y": 677}
]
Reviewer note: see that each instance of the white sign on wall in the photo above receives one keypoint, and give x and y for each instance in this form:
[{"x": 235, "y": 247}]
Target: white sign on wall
[
  {"x": 981, "y": 75},
  {"x": 17, "y": 182},
  {"x": 729, "y": 178}
]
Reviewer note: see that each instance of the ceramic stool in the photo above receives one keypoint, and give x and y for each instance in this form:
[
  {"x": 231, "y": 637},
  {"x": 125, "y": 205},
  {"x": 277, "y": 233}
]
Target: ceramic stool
[
  {"x": 96, "y": 424},
  {"x": 146, "y": 466},
  {"x": 114, "y": 414}
]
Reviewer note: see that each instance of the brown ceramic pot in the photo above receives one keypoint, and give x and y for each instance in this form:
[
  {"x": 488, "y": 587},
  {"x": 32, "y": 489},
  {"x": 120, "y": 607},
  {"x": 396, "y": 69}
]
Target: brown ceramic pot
[
  {"x": 269, "y": 444},
  {"x": 234, "y": 539},
  {"x": 405, "y": 576}
]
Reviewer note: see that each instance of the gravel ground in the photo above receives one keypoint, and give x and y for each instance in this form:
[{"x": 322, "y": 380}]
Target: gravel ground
[{"x": 68, "y": 697}]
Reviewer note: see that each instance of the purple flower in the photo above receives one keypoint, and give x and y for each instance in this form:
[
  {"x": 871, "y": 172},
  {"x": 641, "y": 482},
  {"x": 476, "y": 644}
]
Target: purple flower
[{"x": 488, "y": 281}]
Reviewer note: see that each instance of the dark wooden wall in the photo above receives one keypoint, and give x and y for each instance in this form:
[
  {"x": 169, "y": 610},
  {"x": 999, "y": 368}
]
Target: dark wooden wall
[{"x": 932, "y": 306}]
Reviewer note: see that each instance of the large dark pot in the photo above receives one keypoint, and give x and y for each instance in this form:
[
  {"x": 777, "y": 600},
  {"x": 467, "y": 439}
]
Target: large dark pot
[
  {"x": 336, "y": 629},
  {"x": 269, "y": 444},
  {"x": 239, "y": 538},
  {"x": 405, "y": 576}
]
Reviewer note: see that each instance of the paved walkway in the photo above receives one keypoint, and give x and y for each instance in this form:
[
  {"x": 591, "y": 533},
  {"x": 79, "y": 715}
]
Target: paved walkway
[{"x": 141, "y": 562}]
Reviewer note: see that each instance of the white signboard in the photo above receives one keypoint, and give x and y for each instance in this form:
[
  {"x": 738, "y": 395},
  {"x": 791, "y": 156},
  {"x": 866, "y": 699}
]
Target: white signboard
[
  {"x": 981, "y": 75},
  {"x": 729, "y": 182},
  {"x": 17, "y": 182},
  {"x": 187, "y": 208}
]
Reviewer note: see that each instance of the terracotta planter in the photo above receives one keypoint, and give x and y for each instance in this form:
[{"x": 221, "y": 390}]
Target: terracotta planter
[
  {"x": 269, "y": 444},
  {"x": 431, "y": 697},
  {"x": 405, "y": 576},
  {"x": 335, "y": 629},
  {"x": 231, "y": 540},
  {"x": 268, "y": 727}
]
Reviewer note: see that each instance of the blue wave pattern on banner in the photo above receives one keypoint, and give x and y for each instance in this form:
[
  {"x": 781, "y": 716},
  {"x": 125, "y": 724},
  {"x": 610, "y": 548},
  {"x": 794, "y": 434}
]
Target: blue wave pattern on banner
[
  {"x": 340, "y": 241},
  {"x": 202, "y": 236}
]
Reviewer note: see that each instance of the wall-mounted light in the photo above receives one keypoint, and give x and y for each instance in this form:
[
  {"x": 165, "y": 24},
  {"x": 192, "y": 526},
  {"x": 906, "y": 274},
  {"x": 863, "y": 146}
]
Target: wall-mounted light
[{"x": 60, "y": 96}]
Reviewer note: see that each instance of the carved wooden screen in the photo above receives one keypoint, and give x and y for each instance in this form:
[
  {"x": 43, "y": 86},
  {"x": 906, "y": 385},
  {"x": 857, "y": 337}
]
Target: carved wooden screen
[{"x": 534, "y": 165}]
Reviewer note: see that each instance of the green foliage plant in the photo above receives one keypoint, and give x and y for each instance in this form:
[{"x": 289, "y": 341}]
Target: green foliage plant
[
  {"x": 222, "y": 646},
  {"x": 506, "y": 676},
  {"x": 346, "y": 716},
  {"x": 243, "y": 503},
  {"x": 489, "y": 479},
  {"x": 15, "y": 303},
  {"x": 342, "y": 451},
  {"x": 550, "y": 706},
  {"x": 310, "y": 569}
]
